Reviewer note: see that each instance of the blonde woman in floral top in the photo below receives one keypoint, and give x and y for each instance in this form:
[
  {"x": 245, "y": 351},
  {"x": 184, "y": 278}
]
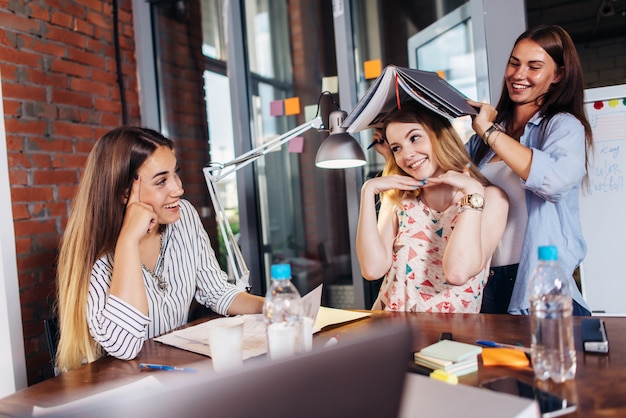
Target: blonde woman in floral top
[{"x": 439, "y": 223}]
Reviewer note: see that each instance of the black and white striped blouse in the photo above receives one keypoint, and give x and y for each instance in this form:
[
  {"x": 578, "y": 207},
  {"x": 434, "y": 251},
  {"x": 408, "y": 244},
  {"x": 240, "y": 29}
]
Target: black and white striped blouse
[{"x": 190, "y": 269}]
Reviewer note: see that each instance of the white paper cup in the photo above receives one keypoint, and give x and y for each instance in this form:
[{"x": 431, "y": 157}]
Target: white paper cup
[{"x": 226, "y": 343}]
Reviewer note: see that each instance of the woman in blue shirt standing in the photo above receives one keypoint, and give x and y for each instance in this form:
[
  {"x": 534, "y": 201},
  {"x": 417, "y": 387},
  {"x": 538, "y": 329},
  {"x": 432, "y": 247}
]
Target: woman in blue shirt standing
[{"x": 534, "y": 145}]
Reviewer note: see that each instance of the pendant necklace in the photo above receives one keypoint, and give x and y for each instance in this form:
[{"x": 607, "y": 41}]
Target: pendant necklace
[
  {"x": 430, "y": 212},
  {"x": 157, "y": 274}
]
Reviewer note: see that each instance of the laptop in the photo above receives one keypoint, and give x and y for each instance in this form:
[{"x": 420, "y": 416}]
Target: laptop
[{"x": 360, "y": 376}]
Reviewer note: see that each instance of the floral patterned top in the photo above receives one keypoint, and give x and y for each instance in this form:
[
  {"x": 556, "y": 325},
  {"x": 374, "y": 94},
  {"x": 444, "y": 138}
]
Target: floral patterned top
[{"x": 415, "y": 282}]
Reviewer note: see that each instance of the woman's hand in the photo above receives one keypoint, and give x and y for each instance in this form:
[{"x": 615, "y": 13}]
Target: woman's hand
[
  {"x": 461, "y": 181},
  {"x": 140, "y": 219},
  {"x": 394, "y": 181},
  {"x": 380, "y": 145},
  {"x": 485, "y": 118}
]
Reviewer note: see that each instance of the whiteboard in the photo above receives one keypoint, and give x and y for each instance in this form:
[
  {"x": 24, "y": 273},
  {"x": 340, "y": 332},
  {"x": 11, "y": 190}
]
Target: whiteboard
[{"x": 603, "y": 205}]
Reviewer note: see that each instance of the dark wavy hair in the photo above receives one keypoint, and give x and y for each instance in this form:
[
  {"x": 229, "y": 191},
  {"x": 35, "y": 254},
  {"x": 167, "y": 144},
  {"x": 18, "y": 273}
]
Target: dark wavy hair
[{"x": 566, "y": 96}]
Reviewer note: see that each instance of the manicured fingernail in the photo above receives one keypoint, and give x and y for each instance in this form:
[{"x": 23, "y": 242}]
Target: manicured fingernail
[
  {"x": 424, "y": 181},
  {"x": 137, "y": 176},
  {"x": 469, "y": 165}
]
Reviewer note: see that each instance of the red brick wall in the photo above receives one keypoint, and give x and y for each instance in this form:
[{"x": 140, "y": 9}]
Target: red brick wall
[{"x": 61, "y": 93}]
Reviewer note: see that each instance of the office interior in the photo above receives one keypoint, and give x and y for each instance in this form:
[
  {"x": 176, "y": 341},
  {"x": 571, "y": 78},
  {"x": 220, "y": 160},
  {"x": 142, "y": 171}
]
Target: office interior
[{"x": 205, "y": 72}]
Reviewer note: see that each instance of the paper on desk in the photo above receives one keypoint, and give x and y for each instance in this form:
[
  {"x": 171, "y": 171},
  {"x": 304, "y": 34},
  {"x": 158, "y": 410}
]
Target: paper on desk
[
  {"x": 195, "y": 338},
  {"x": 146, "y": 383}
]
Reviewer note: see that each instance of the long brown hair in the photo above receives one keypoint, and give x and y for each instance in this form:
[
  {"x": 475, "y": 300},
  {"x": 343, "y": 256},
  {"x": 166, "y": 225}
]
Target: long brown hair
[
  {"x": 92, "y": 230},
  {"x": 566, "y": 96},
  {"x": 448, "y": 150}
]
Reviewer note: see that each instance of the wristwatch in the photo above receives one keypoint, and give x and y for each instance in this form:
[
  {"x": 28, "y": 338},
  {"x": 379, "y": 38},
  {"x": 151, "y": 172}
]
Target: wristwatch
[
  {"x": 472, "y": 201},
  {"x": 490, "y": 130}
]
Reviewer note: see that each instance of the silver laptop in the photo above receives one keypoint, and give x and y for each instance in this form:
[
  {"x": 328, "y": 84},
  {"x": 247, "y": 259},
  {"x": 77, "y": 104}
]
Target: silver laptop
[{"x": 360, "y": 376}]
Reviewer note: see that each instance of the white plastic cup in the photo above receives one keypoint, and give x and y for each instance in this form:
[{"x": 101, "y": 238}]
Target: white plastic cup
[
  {"x": 307, "y": 333},
  {"x": 226, "y": 343},
  {"x": 282, "y": 339}
]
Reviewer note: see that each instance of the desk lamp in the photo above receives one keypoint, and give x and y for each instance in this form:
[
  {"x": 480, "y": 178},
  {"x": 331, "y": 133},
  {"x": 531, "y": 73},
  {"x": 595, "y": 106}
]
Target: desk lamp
[{"x": 339, "y": 150}]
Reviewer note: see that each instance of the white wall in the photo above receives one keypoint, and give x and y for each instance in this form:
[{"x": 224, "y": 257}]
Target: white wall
[{"x": 12, "y": 362}]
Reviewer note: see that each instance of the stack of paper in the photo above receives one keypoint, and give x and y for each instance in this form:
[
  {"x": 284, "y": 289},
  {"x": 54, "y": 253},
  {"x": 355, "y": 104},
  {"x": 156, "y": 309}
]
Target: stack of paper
[{"x": 453, "y": 357}]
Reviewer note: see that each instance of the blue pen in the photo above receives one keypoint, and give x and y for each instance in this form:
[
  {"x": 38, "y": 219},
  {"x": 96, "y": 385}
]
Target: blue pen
[
  {"x": 500, "y": 345},
  {"x": 165, "y": 367}
]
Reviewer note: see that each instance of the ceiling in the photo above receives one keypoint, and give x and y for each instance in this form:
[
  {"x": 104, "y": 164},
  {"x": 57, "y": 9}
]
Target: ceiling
[{"x": 585, "y": 20}]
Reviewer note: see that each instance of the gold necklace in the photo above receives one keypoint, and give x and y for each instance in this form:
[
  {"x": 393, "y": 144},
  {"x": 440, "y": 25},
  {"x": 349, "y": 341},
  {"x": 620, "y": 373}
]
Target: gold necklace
[{"x": 157, "y": 274}]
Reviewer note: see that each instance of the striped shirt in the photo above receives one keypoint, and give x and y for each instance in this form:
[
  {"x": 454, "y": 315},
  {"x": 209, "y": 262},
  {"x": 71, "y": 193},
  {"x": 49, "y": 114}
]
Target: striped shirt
[{"x": 190, "y": 269}]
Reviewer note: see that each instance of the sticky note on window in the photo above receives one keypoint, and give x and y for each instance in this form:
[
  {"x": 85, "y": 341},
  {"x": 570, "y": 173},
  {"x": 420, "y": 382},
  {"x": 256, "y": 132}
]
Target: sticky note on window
[
  {"x": 276, "y": 108},
  {"x": 372, "y": 69},
  {"x": 296, "y": 145},
  {"x": 310, "y": 112},
  {"x": 330, "y": 84},
  {"x": 504, "y": 357},
  {"x": 292, "y": 106}
]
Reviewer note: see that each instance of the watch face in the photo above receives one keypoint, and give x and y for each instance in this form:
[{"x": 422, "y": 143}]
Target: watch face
[{"x": 477, "y": 201}]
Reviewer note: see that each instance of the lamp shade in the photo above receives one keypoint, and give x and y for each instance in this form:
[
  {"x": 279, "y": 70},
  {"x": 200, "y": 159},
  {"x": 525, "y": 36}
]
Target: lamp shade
[{"x": 339, "y": 150}]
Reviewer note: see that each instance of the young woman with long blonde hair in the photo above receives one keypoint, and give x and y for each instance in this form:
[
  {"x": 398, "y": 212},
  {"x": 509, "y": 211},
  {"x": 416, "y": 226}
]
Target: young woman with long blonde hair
[
  {"x": 439, "y": 222},
  {"x": 134, "y": 253}
]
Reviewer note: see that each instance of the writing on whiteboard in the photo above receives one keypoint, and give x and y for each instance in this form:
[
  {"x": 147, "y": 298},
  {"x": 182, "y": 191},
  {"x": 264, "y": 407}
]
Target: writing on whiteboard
[{"x": 607, "y": 172}]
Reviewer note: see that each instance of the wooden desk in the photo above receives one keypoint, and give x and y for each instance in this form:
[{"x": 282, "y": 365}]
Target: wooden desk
[{"x": 599, "y": 389}]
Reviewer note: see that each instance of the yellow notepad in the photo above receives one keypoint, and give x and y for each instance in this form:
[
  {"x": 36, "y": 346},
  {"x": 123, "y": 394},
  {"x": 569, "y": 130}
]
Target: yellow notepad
[{"x": 451, "y": 350}]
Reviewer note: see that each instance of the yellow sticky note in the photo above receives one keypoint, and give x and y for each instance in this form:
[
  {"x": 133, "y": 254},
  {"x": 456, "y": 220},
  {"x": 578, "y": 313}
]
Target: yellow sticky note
[
  {"x": 372, "y": 69},
  {"x": 504, "y": 357},
  {"x": 292, "y": 106},
  {"x": 330, "y": 84},
  {"x": 310, "y": 112},
  {"x": 444, "y": 376}
]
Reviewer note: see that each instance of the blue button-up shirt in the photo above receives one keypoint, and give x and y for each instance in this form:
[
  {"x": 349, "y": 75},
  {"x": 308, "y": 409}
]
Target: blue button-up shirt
[{"x": 552, "y": 191}]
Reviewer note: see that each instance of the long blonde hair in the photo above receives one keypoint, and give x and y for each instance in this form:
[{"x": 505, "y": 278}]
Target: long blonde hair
[
  {"x": 92, "y": 229},
  {"x": 448, "y": 150}
]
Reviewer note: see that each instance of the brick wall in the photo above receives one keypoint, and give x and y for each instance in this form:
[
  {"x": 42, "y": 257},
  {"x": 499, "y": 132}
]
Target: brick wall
[
  {"x": 604, "y": 62},
  {"x": 61, "y": 93}
]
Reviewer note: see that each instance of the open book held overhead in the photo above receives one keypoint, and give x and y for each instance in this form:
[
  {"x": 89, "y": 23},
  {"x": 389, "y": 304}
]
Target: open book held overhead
[{"x": 398, "y": 85}]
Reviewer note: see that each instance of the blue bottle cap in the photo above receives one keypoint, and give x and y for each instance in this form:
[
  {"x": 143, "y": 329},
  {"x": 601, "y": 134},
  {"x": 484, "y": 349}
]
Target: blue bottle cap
[
  {"x": 281, "y": 271},
  {"x": 548, "y": 253}
]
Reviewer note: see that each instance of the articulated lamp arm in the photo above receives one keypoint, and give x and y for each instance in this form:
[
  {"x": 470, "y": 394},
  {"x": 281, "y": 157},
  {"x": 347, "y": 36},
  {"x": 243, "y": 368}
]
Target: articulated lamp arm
[{"x": 217, "y": 171}]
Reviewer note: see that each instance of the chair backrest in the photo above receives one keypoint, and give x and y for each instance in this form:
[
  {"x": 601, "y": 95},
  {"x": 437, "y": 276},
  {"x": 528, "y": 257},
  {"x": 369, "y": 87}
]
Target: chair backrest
[{"x": 51, "y": 327}]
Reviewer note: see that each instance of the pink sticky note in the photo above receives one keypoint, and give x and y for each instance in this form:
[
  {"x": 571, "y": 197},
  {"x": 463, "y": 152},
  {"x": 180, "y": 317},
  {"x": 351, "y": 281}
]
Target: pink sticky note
[
  {"x": 296, "y": 145},
  {"x": 276, "y": 108}
]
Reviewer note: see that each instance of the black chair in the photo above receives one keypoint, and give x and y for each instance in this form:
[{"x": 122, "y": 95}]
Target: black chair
[{"x": 51, "y": 326}]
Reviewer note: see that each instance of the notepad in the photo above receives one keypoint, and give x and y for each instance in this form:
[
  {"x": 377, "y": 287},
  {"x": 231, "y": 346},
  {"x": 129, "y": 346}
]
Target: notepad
[
  {"x": 451, "y": 350},
  {"x": 504, "y": 357}
]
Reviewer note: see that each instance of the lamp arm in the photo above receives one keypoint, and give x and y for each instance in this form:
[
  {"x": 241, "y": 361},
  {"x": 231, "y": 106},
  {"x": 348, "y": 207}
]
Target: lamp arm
[
  {"x": 215, "y": 172},
  {"x": 220, "y": 170}
]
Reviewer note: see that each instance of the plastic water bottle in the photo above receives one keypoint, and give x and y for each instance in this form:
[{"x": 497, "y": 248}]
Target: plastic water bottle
[
  {"x": 552, "y": 331},
  {"x": 283, "y": 314}
]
